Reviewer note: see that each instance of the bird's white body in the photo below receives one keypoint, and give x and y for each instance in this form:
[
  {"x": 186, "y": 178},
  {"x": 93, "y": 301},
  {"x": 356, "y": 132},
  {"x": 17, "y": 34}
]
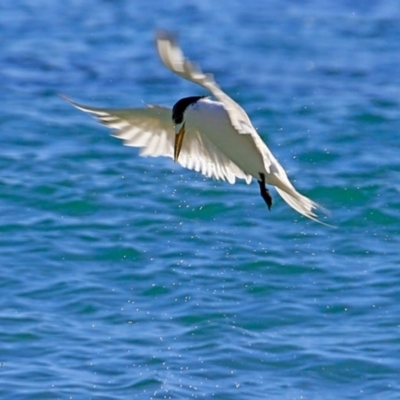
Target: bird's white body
[
  {"x": 218, "y": 137},
  {"x": 211, "y": 119}
]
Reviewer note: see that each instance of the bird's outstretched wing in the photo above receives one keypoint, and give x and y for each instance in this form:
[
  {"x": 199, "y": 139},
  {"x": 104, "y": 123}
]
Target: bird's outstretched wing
[
  {"x": 174, "y": 59},
  {"x": 152, "y": 130}
]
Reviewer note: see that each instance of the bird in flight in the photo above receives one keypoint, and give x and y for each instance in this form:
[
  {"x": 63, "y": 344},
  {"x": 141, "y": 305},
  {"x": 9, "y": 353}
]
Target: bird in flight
[{"x": 215, "y": 138}]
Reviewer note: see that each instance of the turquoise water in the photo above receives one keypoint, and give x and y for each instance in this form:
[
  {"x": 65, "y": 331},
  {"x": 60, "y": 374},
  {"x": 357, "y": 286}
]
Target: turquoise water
[{"x": 130, "y": 278}]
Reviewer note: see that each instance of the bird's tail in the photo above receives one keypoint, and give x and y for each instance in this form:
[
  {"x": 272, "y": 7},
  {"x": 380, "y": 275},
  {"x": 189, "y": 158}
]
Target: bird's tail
[{"x": 300, "y": 203}]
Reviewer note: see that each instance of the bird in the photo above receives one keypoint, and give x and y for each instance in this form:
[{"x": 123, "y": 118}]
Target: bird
[{"x": 213, "y": 137}]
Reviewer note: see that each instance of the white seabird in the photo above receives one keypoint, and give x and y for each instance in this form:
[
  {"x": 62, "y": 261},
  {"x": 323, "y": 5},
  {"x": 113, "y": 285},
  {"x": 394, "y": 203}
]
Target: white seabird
[{"x": 215, "y": 138}]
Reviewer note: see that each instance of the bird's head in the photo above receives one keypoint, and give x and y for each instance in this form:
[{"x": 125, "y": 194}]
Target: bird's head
[{"x": 178, "y": 117}]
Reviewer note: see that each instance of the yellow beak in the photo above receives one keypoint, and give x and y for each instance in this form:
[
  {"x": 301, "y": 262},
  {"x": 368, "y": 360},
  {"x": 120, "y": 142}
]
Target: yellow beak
[{"x": 178, "y": 142}]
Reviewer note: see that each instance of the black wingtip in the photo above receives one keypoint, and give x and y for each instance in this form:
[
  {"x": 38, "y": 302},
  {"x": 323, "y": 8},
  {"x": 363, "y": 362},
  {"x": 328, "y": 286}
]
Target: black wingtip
[{"x": 163, "y": 34}]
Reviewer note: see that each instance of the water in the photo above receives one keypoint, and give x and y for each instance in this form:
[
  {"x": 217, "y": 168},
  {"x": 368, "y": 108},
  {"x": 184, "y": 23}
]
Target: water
[{"x": 130, "y": 278}]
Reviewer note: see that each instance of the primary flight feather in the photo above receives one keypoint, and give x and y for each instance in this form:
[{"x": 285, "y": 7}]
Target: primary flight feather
[{"x": 215, "y": 138}]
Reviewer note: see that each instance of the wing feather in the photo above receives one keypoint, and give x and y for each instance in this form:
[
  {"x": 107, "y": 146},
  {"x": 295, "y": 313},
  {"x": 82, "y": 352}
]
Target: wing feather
[
  {"x": 173, "y": 58},
  {"x": 152, "y": 130}
]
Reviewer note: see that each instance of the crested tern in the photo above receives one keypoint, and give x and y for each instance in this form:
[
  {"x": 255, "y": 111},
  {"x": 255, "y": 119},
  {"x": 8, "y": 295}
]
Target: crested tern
[{"x": 215, "y": 138}]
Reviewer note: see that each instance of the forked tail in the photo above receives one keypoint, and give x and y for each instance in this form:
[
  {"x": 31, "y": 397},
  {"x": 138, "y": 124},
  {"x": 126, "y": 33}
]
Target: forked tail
[{"x": 302, "y": 204}]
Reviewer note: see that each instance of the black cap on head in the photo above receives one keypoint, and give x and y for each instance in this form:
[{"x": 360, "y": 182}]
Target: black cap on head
[{"x": 181, "y": 105}]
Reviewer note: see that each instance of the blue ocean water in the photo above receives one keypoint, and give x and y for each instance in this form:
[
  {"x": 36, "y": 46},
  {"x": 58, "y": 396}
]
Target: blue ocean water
[{"x": 131, "y": 278}]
